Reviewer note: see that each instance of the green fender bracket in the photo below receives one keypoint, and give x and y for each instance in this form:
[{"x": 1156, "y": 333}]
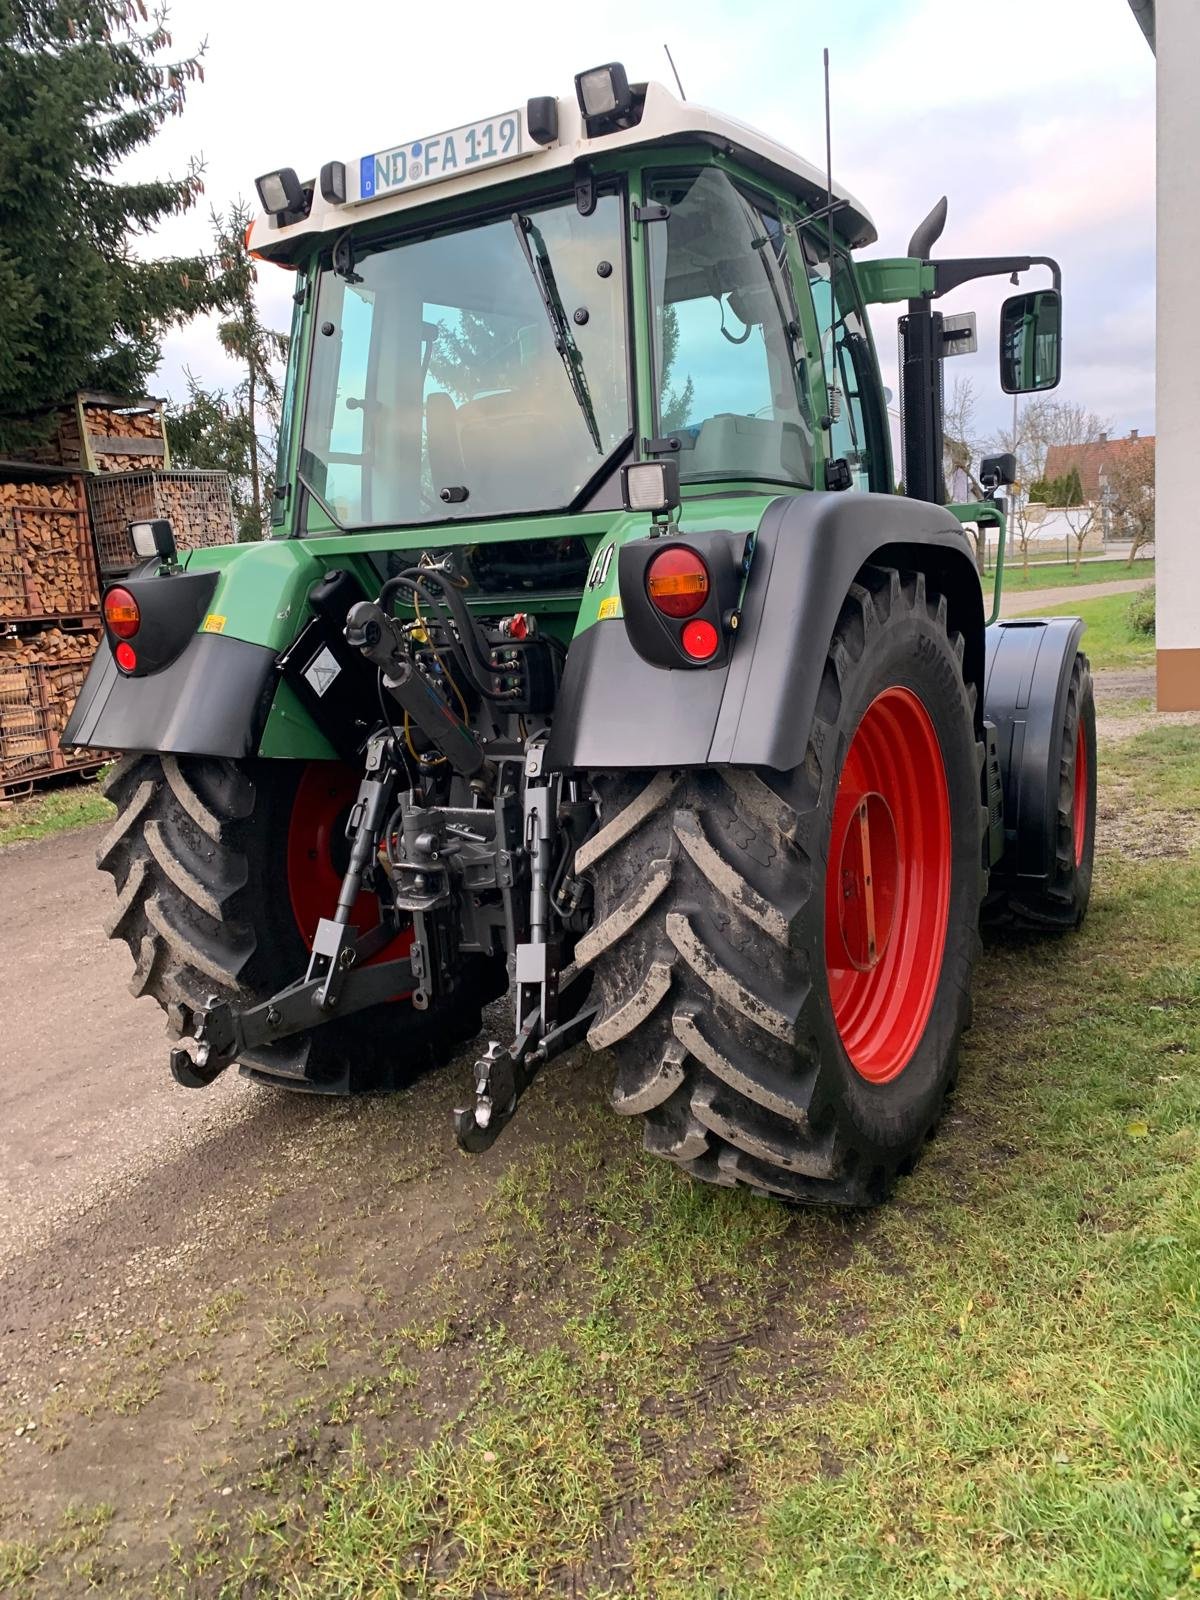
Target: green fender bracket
[{"x": 987, "y": 515}]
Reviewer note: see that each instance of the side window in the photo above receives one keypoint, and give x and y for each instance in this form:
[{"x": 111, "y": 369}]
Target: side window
[
  {"x": 856, "y": 435},
  {"x": 341, "y": 400},
  {"x": 727, "y": 343}
]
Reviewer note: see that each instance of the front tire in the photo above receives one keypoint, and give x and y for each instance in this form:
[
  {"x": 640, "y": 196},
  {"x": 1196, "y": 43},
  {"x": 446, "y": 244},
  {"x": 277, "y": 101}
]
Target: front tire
[
  {"x": 221, "y": 868},
  {"x": 784, "y": 961}
]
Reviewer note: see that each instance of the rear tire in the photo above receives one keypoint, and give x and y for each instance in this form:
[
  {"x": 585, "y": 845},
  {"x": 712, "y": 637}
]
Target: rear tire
[
  {"x": 756, "y": 1047},
  {"x": 1061, "y": 905},
  {"x": 199, "y": 853}
]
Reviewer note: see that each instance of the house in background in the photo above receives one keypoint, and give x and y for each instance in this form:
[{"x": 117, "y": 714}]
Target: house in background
[{"x": 1097, "y": 465}]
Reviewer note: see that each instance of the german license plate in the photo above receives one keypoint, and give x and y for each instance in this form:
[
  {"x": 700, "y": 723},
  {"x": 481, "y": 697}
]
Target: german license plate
[{"x": 442, "y": 155}]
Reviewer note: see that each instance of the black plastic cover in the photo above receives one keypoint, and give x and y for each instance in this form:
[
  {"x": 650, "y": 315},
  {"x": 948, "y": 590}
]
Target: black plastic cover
[
  {"x": 617, "y": 710},
  {"x": 656, "y": 638},
  {"x": 171, "y": 606},
  {"x": 212, "y": 700},
  {"x": 1029, "y": 663}
]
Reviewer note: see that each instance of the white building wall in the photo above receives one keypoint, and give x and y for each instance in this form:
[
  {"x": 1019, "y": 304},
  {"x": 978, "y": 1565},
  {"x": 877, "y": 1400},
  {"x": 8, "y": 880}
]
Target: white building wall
[{"x": 1177, "y": 421}]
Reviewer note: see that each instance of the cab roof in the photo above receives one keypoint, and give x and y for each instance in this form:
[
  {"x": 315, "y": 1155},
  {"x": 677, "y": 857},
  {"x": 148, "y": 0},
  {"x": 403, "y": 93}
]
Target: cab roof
[{"x": 664, "y": 120}]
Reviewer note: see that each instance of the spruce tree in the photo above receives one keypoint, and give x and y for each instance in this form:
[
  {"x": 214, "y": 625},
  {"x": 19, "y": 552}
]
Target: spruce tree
[
  {"x": 84, "y": 84},
  {"x": 236, "y": 430}
]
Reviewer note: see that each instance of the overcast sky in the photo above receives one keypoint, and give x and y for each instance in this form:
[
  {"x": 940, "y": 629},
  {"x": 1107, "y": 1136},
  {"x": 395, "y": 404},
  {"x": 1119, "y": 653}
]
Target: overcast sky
[{"x": 1035, "y": 117}]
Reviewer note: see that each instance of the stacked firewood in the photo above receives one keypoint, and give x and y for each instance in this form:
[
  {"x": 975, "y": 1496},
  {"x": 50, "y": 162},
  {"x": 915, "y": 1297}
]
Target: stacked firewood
[
  {"x": 47, "y": 568},
  {"x": 113, "y": 435},
  {"x": 41, "y": 675},
  {"x": 197, "y": 503}
]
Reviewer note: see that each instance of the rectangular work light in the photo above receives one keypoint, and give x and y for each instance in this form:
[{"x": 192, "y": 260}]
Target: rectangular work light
[
  {"x": 651, "y": 486},
  {"x": 151, "y": 539},
  {"x": 280, "y": 192},
  {"x": 604, "y": 96}
]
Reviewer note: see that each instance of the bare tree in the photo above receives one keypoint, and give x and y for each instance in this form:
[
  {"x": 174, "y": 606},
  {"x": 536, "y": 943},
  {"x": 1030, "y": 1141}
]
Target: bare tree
[
  {"x": 960, "y": 449},
  {"x": 1129, "y": 488},
  {"x": 1025, "y": 515},
  {"x": 1080, "y": 519},
  {"x": 1040, "y": 423}
]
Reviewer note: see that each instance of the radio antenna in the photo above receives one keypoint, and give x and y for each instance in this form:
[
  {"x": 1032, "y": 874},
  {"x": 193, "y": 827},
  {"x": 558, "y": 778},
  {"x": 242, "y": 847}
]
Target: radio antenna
[
  {"x": 833, "y": 392},
  {"x": 675, "y": 70}
]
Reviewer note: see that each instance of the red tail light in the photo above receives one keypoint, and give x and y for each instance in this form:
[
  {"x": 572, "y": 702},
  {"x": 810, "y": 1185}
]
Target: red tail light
[
  {"x": 126, "y": 657},
  {"x": 121, "y": 613},
  {"x": 677, "y": 582},
  {"x": 700, "y": 639}
]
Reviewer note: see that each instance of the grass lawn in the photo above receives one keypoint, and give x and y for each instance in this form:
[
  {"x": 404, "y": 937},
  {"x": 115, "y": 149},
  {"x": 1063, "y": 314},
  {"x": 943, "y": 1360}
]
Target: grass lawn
[
  {"x": 1056, "y": 577},
  {"x": 1109, "y": 640},
  {"x": 71, "y": 806},
  {"x": 989, "y": 1387}
]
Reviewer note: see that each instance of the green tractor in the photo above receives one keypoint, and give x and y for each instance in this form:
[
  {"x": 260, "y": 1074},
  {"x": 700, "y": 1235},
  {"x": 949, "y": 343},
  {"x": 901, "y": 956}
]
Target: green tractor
[{"x": 594, "y": 661}]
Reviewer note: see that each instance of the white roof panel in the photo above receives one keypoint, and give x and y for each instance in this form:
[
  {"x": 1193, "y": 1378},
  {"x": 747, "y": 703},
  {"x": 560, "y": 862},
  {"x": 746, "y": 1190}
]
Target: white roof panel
[{"x": 665, "y": 120}]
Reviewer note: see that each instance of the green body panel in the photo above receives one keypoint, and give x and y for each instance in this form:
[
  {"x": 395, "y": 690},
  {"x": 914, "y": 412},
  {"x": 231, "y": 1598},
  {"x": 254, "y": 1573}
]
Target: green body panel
[
  {"x": 290, "y": 733},
  {"x": 261, "y": 590},
  {"x": 898, "y": 278}
]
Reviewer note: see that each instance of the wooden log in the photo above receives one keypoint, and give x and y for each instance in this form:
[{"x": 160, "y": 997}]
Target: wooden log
[
  {"x": 47, "y": 567},
  {"x": 41, "y": 674}
]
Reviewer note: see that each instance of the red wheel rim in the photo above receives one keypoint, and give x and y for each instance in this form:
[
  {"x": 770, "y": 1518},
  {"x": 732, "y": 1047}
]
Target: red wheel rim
[
  {"x": 1080, "y": 803},
  {"x": 887, "y": 886},
  {"x": 318, "y": 852}
]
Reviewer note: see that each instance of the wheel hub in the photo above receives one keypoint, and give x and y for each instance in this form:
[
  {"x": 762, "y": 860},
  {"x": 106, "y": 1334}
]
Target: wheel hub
[
  {"x": 868, "y": 870},
  {"x": 887, "y": 889}
]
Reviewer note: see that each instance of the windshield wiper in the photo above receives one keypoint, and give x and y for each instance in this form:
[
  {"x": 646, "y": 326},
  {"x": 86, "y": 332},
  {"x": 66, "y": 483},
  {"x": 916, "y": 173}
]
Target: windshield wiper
[{"x": 538, "y": 260}]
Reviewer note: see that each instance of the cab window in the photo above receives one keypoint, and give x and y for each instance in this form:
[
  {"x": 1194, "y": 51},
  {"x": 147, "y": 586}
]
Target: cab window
[
  {"x": 727, "y": 345},
  {"x": 857, "y": 433}
]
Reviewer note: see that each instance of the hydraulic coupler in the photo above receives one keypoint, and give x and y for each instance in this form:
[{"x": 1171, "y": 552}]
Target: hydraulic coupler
[{"x": 381, "y": 640}]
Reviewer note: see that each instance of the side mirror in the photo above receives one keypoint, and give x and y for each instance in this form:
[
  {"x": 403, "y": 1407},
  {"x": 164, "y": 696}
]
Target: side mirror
[
  {"x": 997, "y": 470},
  {"x": 1030, "y": 341}
]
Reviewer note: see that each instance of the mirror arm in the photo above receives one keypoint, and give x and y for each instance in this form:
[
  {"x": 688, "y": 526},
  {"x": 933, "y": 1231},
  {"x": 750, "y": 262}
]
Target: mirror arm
[{"x": 950, "y": 274}]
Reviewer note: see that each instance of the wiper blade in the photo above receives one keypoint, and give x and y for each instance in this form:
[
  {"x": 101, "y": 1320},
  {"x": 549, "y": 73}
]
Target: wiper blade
[{"x": 538, "y": 260}]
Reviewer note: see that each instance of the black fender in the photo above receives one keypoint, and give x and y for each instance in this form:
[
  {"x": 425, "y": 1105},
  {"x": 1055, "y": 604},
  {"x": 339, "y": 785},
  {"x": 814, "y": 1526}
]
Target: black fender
[
  {"x": 211, "y": 700},
  {"x": 618, "y": 711},
  {"x": 1029, "y": 664}
]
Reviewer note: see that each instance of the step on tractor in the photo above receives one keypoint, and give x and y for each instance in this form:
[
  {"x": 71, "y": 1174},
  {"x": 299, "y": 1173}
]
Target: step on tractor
[{"x": 594, "y": 659}]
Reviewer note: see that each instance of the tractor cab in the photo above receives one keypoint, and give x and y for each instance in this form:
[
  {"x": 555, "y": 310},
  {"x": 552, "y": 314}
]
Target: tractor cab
[{"x": 493, "y": 321}]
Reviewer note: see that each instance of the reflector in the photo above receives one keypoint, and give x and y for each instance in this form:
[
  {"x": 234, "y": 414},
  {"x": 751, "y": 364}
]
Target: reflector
[{"x": 700, "y": 639}]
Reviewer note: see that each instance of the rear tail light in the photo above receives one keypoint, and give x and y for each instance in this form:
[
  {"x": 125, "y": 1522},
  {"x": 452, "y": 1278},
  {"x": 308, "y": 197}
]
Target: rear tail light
[
  {"x": 700, "y": 639},
  {"x": 677, "y": 582},
  {"x": 121, "y": 613},
  {"x": 126, "y": 657}
]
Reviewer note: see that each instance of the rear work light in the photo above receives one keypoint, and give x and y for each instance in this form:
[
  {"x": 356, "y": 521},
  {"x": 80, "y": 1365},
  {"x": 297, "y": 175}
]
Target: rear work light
[
  {"x": 677, "y": 582},
  {"x": 121, "y": 613}
]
